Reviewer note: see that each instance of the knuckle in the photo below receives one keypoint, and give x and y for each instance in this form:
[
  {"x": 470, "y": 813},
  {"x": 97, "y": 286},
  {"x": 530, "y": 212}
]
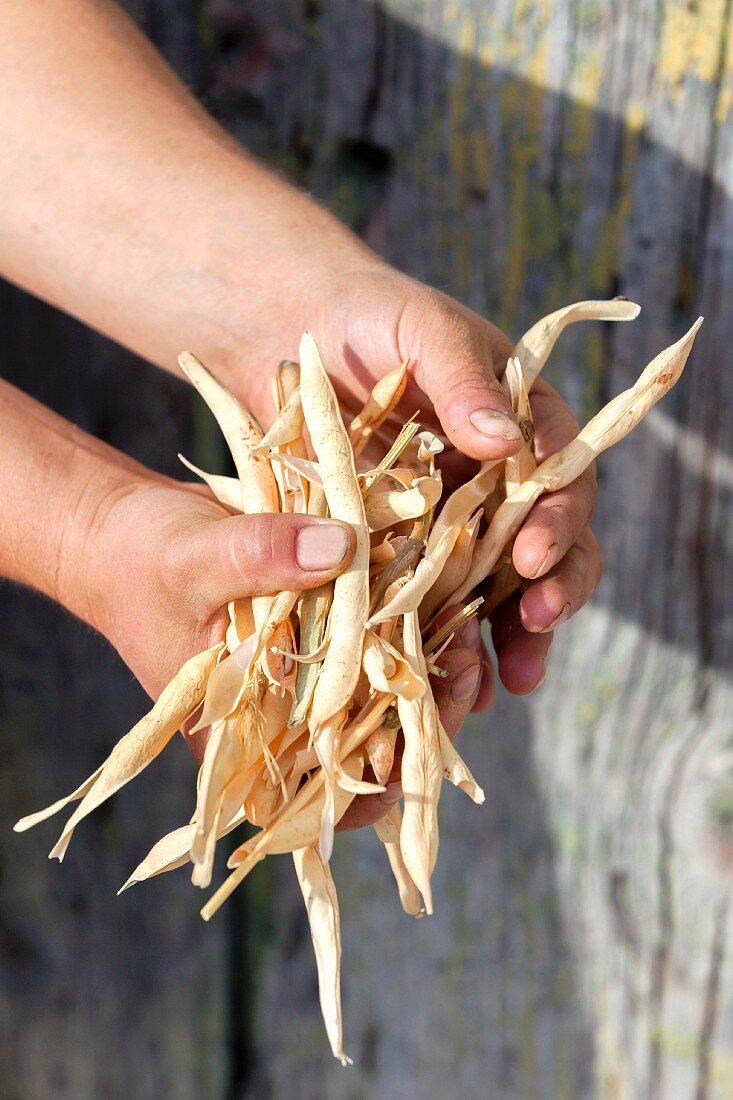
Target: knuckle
[
  {"x": 444, "y": 324},
  {"x": 181, "y": 564},
  {"x": 575, "y": 504},
  {"x": 459, "y": 383},
  {"x": 596, "y": 556},
  {"x": 555, "y": 423},
  {"x": 573, "y": 572},
  {"x": 585, "y": 561},
  {"x": 582, "y": 494},
  {"x": 436, "y": 307},
  {"x": 255, "y": 552},
  {"x": 501, "y": 346},
  {"x": 246, "y": 552},
  {"x": 589, "y": 478}
]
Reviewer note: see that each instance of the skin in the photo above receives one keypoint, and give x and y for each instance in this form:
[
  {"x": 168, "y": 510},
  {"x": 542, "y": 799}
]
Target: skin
[
  {"x": 79, "y": 513},
  {"x": 97, "y": 189}
]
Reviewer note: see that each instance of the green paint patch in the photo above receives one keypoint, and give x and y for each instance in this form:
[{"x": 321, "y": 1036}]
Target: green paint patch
[
  {"x": 587, "y": 713},
  {"x": 675, "y": 1043},
  {"x": 605, "y": 689},
  {"x": 571, "y": 842}
]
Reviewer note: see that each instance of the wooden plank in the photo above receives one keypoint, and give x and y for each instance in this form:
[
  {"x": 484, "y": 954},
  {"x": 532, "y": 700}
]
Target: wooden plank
[
  {"x": 522, "y": 155},
  {"x": 99, "y": 995},
  {"x": 519, "y": 154}
]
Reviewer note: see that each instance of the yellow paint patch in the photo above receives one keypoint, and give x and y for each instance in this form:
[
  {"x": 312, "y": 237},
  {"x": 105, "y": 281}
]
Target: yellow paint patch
[
  {"x": 691, "y": 42},
  {"x": 587, "y": 80},
  {"x": 725, "y": 92},
  {"x": 537, "y": 67},
  {"x": 636, "y": 117}
]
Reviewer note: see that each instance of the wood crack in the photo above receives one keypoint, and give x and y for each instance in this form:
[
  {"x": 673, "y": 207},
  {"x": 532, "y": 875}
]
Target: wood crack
[
  {"x": 662, "y": 954},
  {"x": 376, "y": 75},
  {"x": 712, "y": 999}
]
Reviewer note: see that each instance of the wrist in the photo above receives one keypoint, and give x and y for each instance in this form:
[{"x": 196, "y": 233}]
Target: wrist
[
  {"x": 274, "y": 282},
  {"x": 87, "y": 561}
]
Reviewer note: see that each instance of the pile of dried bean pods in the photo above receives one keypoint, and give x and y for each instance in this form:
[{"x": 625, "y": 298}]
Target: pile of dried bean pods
[{"x": 309, "y": 690}]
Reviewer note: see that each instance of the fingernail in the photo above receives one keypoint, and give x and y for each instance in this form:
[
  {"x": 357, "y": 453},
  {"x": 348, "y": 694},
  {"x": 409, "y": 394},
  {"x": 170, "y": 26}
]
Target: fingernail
[
  {"x": 560, "y": 618},
  {"x": 321, "y": 546},
  {"x": 548, "y": 561},
  {"x": 464, "y": 686},
  {"x": 470, "y": 636},
  {"x": 392, "y": 793},
  {"x": 494, "y": 424}
]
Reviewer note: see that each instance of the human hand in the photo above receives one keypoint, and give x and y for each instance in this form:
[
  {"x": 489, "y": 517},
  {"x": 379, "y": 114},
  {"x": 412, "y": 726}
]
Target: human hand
[
  {"x": 367, "y": 322},
  {"x": 163, "y": 559}
]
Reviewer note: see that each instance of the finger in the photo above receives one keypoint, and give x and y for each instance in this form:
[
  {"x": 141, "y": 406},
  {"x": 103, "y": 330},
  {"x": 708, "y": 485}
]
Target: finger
[
  {"x": 520, "y": 655},
  {"x": 468, "y": 636},
  {"x": 452, "y": 356},
  {"x": 455, "y": 694},
  {"x": 368, "y": 808},
  {"x": 553, "y": 526},
  {"x": 557, "y": 518},
  {"x": 554, "y": 421},
  {"x": 262, "y": 555},
  {"x": 551, "y": 600},
  {"x": 196, "y": 742},
  {"x": 486, "y": 691}
]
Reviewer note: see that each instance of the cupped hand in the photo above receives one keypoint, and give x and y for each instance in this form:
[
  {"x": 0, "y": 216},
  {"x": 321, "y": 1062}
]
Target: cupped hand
[
  {"x": 366, "y": 322},
  {"x": 170, "y": 558},
  {"x": 166, "y": 559},
  {"x": 174, "y": 557}
]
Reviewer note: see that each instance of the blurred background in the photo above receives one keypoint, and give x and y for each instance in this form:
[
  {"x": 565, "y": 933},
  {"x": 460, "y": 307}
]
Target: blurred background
[{"x": 520, "y": 154}]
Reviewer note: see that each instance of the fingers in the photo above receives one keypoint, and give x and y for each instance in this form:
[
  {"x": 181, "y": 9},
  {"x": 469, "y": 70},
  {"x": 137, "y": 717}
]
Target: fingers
[
  {"x": 196, "y": 742},
  {"x": 553, "y": 525},
  {"x": 522, "y": 628},
  {"x": 453, "y": 351},
  {"x": 262, "y": 555},
  {"x": 551, "y": 600},
  {"x": 554, "y": 421},
  {"x": 486, "y": 692},
  {"x": 558, "y": 518},
  {"x": 455, "y": 694},
  {"x": 520, "y": 654},
  {"x": 467, "y": 638}
]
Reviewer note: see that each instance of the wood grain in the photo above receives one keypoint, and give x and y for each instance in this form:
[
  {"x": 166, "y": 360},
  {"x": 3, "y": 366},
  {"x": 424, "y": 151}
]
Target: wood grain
[
  {"x": 519, "y": 154},
  {"x": 522, "y": 155}
]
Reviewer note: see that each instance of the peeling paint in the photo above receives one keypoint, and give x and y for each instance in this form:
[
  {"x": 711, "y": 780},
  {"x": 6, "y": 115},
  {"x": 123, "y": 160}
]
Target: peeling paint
[{"x": 690, "y": 43}]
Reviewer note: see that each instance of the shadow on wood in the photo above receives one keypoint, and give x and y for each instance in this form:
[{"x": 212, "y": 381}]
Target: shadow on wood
[{"x": 519, "y": 157}]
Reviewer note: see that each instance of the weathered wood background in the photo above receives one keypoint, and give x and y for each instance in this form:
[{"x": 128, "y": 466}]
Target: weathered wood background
[{"x": 520, "y": 153}]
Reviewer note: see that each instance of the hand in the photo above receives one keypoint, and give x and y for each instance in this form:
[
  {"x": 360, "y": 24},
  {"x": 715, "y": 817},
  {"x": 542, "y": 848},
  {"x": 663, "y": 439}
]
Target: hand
[
  {"x": 367, "y": 322},
  {"x": 169, "y": 559},
  {"x": 262, "y": 261}
]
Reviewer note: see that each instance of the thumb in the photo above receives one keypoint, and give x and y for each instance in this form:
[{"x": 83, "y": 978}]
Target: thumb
[
  {"x": 457, "y": 374},
  {"x": 262, "y": 555}
]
